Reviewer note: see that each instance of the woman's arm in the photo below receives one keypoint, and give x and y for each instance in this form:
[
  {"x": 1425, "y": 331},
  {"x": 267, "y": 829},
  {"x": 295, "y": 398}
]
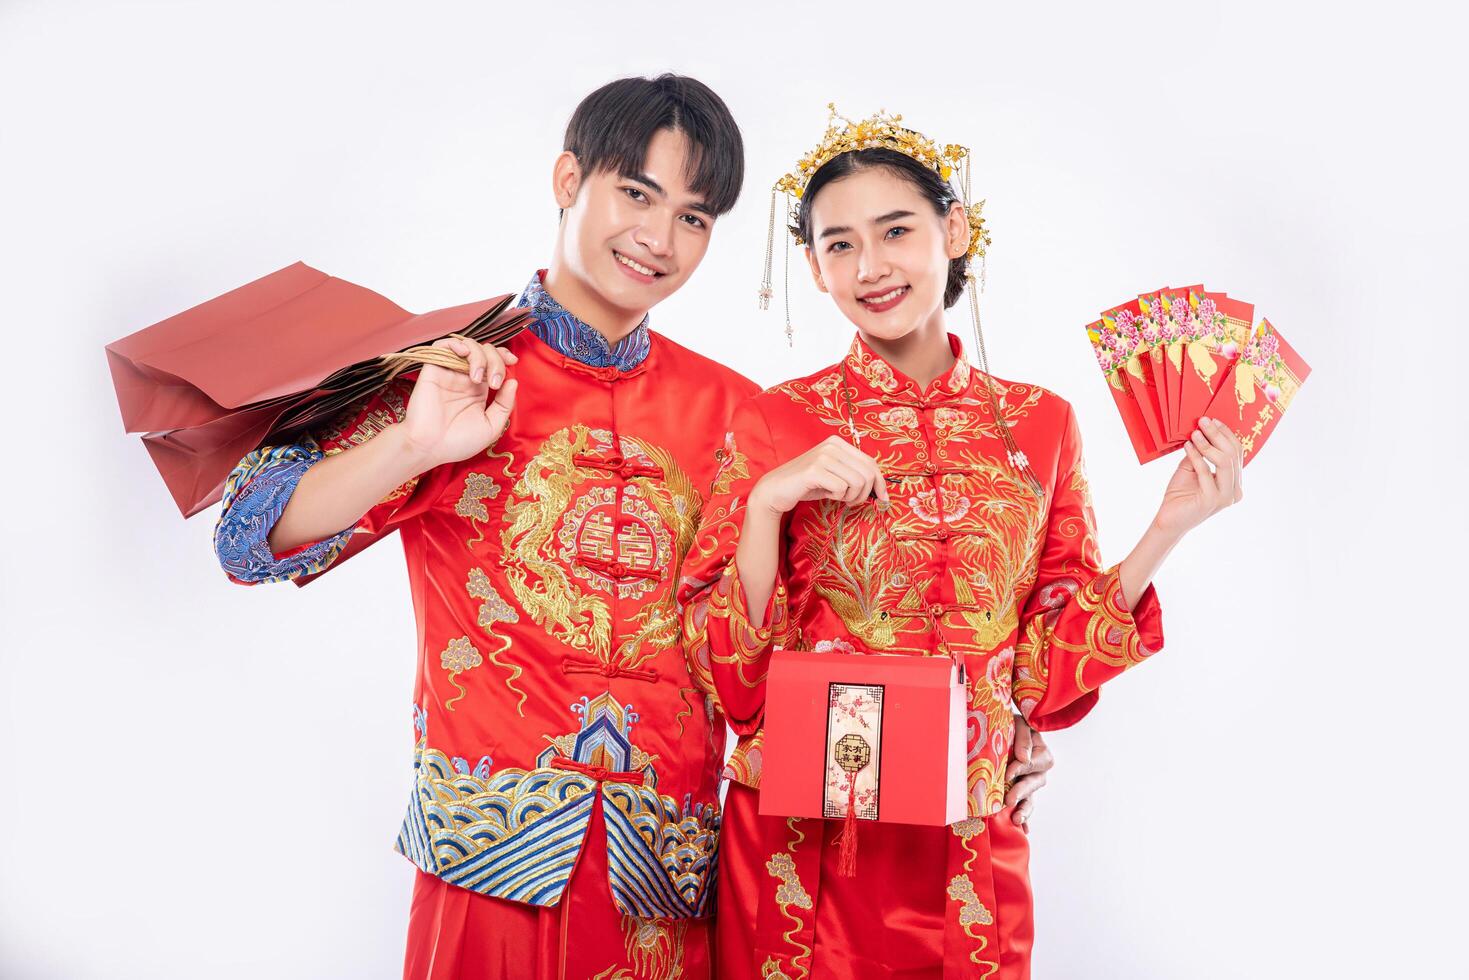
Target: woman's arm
[
  {"x": 1194, "y": 494},
  {"x": 833, "y": 469}
]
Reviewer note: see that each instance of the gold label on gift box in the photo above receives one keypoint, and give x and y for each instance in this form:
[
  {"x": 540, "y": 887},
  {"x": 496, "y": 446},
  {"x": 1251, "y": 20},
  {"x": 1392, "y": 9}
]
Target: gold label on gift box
[{"x": 853, "y": 738}]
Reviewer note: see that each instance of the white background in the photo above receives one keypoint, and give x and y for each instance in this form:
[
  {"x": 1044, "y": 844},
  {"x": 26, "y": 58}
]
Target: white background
[{"x": 200, "y": 780}]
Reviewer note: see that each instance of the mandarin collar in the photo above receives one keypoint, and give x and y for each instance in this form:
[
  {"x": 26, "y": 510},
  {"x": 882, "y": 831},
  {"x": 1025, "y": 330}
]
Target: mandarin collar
[
  {"x": 567, "y": 334},
  {"x": 890, "y": 384}
]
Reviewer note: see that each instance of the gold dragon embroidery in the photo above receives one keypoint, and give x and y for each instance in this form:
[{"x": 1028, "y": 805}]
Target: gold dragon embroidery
[{"x": 538, "y": 575}]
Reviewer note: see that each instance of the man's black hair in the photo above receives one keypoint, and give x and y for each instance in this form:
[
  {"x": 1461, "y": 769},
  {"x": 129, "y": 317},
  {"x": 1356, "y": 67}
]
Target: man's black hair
[{"x": 611, "y": 130}]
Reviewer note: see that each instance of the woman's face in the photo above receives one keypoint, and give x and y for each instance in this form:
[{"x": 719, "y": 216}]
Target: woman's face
[{"x": 882, "y": 253}]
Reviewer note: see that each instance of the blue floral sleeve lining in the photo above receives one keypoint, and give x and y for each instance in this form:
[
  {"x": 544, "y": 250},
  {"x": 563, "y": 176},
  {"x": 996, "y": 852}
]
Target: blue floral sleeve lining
[{"x": 255, "y": 494}]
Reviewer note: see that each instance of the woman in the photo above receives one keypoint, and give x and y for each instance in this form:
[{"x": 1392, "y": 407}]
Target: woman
[{"x": 903, "y": 502}]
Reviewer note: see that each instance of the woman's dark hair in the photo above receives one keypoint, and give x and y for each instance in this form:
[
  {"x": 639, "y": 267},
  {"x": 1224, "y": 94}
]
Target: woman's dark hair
[
  {"x": 928, "y": 183},
  {"x": 612, "y": 127}
]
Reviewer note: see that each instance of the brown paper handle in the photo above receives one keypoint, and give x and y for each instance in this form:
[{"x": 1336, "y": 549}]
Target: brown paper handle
[{"x": 405, "y": 360}]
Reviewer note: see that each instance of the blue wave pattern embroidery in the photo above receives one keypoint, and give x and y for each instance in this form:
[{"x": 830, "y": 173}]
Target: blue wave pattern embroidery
[
  {"x": 255, "y": 494},
  {"x": 563, "y": 332},
  {"x": 515, "y": 834}
]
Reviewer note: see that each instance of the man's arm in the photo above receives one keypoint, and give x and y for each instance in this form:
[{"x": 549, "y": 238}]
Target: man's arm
[
  {"x": 336, "y": 491},
  {"x": 446, "y": 420}
]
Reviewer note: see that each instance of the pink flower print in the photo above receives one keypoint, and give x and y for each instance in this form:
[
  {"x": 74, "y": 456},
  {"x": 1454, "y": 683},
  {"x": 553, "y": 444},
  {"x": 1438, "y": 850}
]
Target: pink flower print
[
  {"x": 998, "y": 672},
  {"x": 1106, "y": 358},
  {"x": 1201, "y": 326},
  {"x": 925, "y": 505},
  {"x": 834, "y": 646},
  {"x": 1207, "y": 309},
  {"x": 1270, "y": 346},
  {"x": 880, "y": 375},
  {"x": 827, "y": 386},
  {"x": 1125, "y": 319},
  {"x": 948, "y": 418},
  {"x": 901, "y": 417},
  {"x": 1151, "y": 331},
  {"x": 956, "y": 505},
  {"x": 1255, "y": 355},
  {"x": 1178, "y": 308}
]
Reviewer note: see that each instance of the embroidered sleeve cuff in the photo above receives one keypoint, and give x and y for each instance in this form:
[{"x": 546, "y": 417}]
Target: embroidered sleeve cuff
[
  {"x": 255, "y": 495},
  {"x": 1147, "y": 621},
  {"x": 1070, "y": 651},
  {"x": 729, "y": 602},
  {"x": 1117, "y": 635},
  {"x": 1066, "y": 716}
]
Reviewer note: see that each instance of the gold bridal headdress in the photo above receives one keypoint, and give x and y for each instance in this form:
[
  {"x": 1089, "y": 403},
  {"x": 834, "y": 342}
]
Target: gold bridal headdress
[
  {"x": 884, "y": 131},
  {"x": 878, "y": 131},
  {"x": 950, "y": 161}
]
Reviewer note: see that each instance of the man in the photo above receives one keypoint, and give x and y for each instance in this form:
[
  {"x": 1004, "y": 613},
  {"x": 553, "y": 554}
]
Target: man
[{"x": 546, "y": 500}]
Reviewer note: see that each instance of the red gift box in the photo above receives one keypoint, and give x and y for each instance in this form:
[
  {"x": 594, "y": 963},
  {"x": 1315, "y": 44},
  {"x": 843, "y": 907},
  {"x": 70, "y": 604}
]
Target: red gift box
[{"x": 887, "y": 730}]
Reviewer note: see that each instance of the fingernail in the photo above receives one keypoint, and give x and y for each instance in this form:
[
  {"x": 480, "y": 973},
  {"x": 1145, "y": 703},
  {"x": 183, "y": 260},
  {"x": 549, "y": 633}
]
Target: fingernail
[
  {"x": 496, "y": 379},
  {"x": 479, "y": 375}
]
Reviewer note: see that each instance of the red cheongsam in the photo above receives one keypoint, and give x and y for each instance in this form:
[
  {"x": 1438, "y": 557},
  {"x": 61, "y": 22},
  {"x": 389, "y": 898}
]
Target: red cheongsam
[{"x": 969, "y": 561}]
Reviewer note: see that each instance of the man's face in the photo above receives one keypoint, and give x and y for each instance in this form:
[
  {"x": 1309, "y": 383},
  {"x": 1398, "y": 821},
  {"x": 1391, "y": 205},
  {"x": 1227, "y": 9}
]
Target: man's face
[{"x": 634, "y": 240}]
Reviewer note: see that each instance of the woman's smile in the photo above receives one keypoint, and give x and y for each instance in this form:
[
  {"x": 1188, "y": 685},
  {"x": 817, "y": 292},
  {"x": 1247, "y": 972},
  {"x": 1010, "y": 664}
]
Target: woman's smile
[{"x": 878, "y": 302}]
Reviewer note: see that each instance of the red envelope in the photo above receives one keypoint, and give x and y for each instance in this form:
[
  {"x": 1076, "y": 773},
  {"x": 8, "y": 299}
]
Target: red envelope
[
  {"x": 1174, "y": 313},
  {"x": 884, "y": 731},
  {"x": 1126, "y": 324},
  {"x": 1152, "y": 307},
  {"x": 1260, "y": 386},
  {"x": 1173, "y": 356},
  {"x": 1107, "y": 346},
  {"x": 1217, "y": 332}
]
